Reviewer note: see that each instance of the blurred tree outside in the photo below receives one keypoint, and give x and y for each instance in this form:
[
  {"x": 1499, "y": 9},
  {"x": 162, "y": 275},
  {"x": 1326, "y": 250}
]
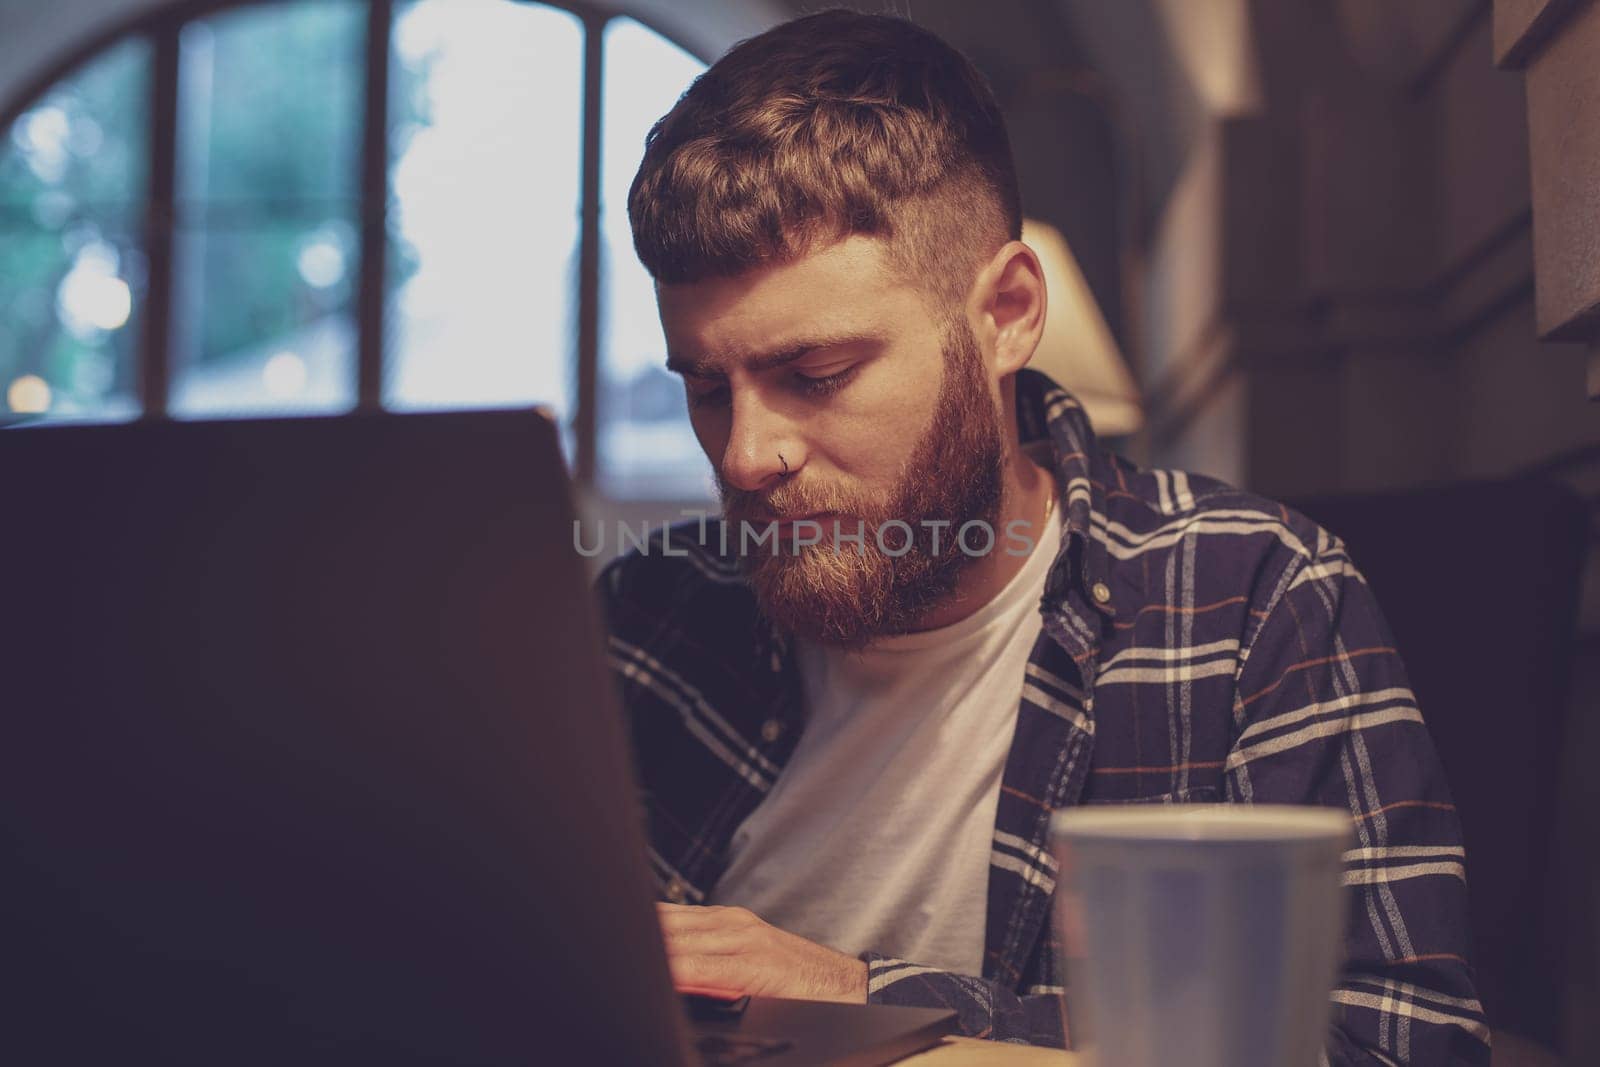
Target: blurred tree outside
[
  {"x": 267, "y": 250},
  {"x": 269, "y": 142},
  {"x": 270, "y": 112},
  {"x": 72, "y": 183}
]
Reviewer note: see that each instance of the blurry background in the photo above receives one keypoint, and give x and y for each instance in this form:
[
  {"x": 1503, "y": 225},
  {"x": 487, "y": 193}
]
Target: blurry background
[
  {"x": 1334, "y": 246},
  {"x": 210, "y": 158}
]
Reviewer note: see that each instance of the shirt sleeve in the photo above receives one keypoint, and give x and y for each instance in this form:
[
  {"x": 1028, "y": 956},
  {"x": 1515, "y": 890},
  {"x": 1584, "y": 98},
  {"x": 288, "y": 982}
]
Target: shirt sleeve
[
  {"x": 1325, "y": 716},
  {"x": 983, "y": 1008}
]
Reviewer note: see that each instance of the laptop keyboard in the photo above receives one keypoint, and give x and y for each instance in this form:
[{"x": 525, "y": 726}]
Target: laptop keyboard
[{"x": 721, "y": 1050}]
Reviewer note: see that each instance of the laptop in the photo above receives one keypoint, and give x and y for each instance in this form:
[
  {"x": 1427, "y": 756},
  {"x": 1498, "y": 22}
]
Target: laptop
[{"x": 310, "y": 756}]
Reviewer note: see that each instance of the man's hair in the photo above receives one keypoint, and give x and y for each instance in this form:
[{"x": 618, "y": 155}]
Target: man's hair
[{"x": 834, "y": 124}]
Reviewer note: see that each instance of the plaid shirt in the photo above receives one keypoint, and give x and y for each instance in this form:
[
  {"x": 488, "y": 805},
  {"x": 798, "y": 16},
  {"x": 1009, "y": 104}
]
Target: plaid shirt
[{"x": 1198, "y": 644}]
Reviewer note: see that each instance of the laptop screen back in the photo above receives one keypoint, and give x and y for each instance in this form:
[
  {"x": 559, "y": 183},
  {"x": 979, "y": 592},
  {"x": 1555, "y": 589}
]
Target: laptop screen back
[{"x": 309, "y": 755}]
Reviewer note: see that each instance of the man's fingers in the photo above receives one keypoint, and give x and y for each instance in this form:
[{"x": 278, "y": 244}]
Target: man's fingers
[
  {"x": 715, "y": 941},
  {"x": 717, "y": 976},
  {"x": 729, "y": 952},
  {"x": 703, "y": 917},
  {"x": 711, "y": 931},
  {"x": 685, "y": 916}
]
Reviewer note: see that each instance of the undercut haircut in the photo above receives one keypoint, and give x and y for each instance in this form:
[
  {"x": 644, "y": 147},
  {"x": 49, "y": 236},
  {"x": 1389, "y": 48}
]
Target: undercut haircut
[{"x": 831, "y": 125}]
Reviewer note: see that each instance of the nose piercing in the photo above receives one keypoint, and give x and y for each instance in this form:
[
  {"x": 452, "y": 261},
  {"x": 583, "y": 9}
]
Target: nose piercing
[{"x": 785, "y": 464}]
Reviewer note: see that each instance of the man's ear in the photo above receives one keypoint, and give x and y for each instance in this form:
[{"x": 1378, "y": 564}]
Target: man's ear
[{"x": 1007, "y": 306}]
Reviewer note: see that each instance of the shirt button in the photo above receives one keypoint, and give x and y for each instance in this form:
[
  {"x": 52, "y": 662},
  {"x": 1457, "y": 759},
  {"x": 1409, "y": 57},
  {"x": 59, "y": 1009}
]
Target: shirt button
[
  {"x": 674, "y": 891},
  {"x": 771, "y": 730},
  {"x": 1102, "y": 593}
]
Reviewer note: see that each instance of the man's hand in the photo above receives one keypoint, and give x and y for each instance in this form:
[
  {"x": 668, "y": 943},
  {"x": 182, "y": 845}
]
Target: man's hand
[{"x": 728, "y": 952}]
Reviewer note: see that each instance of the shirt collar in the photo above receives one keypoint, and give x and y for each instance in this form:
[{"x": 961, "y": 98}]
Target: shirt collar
[{"x": 1047, "y": 412}]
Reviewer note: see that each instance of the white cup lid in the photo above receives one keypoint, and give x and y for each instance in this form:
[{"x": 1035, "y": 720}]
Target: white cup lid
[{"x": 1201, "y": 823}]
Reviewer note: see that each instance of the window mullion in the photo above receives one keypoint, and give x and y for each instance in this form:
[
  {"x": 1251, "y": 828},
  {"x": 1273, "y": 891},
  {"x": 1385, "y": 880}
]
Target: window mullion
[
  {"x": 155, "y": 364},
  {"x": 585, "y": 419},
  {"x": 374, "y": 198}
]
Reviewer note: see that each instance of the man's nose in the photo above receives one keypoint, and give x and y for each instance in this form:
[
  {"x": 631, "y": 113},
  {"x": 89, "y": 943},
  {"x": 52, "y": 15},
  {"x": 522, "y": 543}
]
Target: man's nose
[{"x": 762, "y": 447}]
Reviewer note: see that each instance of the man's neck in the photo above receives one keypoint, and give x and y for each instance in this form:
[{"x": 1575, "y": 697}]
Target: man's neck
[{"x": 1026, "y": 496}]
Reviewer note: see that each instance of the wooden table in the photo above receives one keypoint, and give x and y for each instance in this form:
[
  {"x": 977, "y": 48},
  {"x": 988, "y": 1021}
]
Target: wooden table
[{"x": 961, "y": 1051}]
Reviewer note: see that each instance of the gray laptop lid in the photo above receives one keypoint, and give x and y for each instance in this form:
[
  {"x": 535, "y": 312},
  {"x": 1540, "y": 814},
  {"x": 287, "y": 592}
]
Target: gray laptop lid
[{"x": 309, "y": 755}]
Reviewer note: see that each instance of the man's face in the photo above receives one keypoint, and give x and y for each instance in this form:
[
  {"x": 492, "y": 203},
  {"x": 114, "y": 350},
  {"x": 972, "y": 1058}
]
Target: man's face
[{"x": 824, "y": 389}]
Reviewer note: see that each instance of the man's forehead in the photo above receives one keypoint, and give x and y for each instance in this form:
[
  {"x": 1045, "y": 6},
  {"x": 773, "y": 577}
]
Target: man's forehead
[
  {"x": 833, "y": 295},
  {"x": 777, "y": 351}
]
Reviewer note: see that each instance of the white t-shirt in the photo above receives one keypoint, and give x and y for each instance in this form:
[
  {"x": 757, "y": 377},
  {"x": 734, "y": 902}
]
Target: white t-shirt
[{"x": 877, "y": 835}]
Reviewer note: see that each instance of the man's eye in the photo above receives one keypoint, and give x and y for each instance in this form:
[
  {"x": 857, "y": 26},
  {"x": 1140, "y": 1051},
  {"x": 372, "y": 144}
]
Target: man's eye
[
  {"x": 825, "y": 384},
  {"x": 706, "y": 394}
]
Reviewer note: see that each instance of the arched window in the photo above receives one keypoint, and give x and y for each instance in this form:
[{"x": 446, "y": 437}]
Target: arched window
[
  {"x": 314, "y": 206},
  {"x": 73, "y": 175}
]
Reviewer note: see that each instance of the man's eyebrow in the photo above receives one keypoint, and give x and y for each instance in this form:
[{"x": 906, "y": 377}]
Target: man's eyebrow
[{"x": 691, "y": 367}]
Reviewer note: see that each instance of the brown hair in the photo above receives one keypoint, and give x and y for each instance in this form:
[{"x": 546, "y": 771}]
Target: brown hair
[{"x": 834, "y": 124}]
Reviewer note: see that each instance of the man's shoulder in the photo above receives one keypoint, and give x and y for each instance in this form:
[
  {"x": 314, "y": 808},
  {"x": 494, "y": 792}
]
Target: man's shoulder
[
  {"x": 684, "y": 633},
  {"x": 684, "y": 572},
  {"x": 1149, "y": 509},
  {"x": 1222, "y": 556}
]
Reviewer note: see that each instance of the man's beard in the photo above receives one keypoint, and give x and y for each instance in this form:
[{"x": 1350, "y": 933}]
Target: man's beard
[{"x": 845, "y": 593}]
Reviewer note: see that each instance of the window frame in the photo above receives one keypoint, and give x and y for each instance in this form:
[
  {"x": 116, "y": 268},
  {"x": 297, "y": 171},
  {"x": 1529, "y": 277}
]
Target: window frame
[{"x": 162, "y": 28}]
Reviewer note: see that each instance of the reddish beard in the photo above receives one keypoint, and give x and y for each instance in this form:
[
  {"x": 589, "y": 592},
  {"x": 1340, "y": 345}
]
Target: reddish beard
[{"x": 845, "y": 593}]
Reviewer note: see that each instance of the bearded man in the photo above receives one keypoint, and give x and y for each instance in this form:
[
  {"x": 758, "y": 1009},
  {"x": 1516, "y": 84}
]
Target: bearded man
[{"x": 850, "y": 745}]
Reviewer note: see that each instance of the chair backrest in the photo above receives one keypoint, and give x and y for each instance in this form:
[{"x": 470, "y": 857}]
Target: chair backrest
[{"x": 1479, "y": 583}]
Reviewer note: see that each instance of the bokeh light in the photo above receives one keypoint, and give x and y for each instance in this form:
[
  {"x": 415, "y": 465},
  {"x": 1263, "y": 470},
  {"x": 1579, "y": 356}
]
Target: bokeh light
[
  {"x": 285, "y": 374},
  {"x": 29, "y": 394},
  {"x": 92, "y": 299}
]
